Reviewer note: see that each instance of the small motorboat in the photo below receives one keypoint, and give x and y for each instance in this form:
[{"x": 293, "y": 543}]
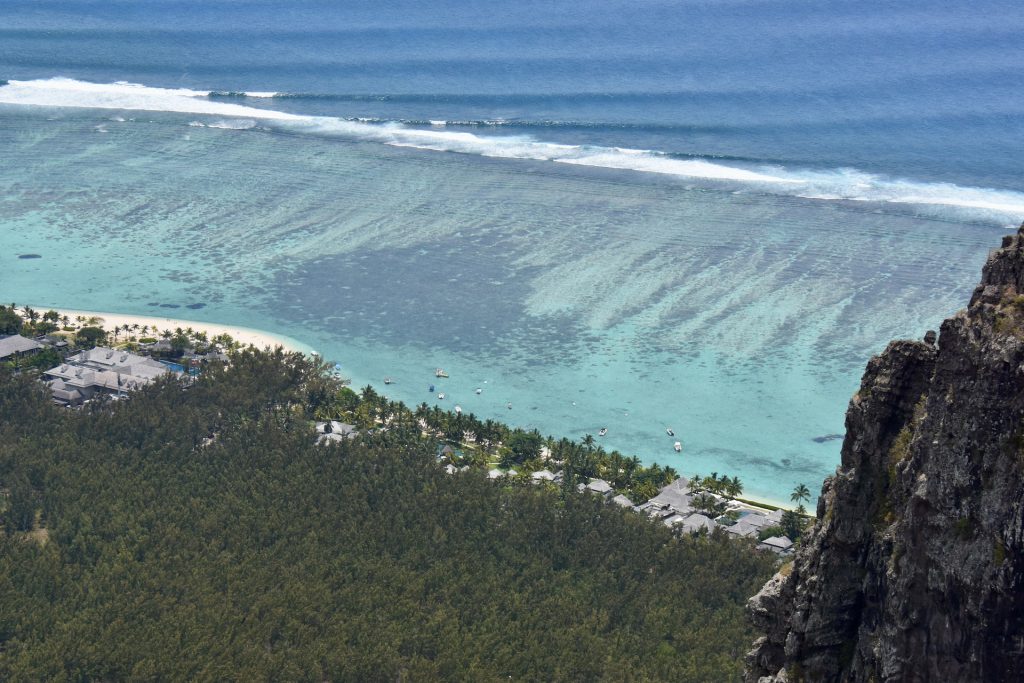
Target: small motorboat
[
  {"x": 440, "y": 373},
  {"x": 479, "y": 390},
  {"x": 509, "y": 405},
  {"x": 388, "y": 380},
  {"x": 431, "y": 388},
  {"x": 441, "y": 396},
  {"x": 603, "y": 431},
  {"x": 670, "y": 432},
  {"x": 458, "y": 409},
  {"x": 678, "y": 447}
]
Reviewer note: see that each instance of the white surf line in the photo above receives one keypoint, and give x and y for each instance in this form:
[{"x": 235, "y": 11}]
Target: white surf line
[{"x": 835, "y": 184}]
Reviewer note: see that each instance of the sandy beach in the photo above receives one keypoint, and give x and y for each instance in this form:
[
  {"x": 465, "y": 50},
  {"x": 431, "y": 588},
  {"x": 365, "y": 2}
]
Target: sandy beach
[{"x": 243, "y": 335}]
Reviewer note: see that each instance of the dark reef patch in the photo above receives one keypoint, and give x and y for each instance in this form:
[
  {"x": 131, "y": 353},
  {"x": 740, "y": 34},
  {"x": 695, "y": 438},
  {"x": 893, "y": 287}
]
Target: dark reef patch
[
  {"x": 195, "y": 306},
  {"x": 170, "y": 305},
  {"x": 433, "y": 295},
  {"x": 26, "y": 256},
  {"x": 827, "y": 437}
]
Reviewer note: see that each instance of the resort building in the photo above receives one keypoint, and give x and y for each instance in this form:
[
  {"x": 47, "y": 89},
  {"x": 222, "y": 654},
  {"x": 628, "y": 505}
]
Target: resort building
[
  {"x": 335, "y": 431},
  {"x": 778, "y": 544},
  {"x": 598, "y": 486},
  {"x": 101, "y": 371},
  {"x": 16, "y": 345},
  {"x": 544, "y": 475}
]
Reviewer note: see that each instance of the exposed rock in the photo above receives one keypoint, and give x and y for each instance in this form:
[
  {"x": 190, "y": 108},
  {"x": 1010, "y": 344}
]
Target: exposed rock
[{"x": 914, "y": 568}]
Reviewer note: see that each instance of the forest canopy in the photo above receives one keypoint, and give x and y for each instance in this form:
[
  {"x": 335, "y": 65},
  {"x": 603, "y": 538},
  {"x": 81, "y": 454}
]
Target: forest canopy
[{"x": 200, "y": 532}]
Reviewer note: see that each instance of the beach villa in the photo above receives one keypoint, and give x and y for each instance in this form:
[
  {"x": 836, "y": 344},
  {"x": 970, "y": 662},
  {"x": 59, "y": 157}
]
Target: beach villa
[
  {"x": 101, "y": 371},
  {"x": 15, "y": 345}
]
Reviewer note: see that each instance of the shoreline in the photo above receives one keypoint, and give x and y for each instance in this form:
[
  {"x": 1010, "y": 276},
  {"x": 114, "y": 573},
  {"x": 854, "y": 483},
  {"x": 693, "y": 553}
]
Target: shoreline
[
  {"x": 261, "y": 339},
  {"x": 241, "y": 334}
]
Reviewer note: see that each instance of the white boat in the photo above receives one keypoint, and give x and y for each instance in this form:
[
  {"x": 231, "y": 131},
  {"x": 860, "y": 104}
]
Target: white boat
[
  {"x": 458, "y": 409},
  {"x": 441, "y": 396},
  {"x": 604, "y": 430},
  {"x": 439, "y": 372},
  {"x": 388, "y": 380},
  {"x": 678, "y": 446},
  {"x": 479, "y": 390},
  {"x": 670, "y": 432}
]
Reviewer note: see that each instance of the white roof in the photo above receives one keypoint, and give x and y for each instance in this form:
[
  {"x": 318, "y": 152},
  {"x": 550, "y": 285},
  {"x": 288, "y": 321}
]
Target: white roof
[
  {"x": 623, "y": 501},
  {"x": 599, "y": 486}
]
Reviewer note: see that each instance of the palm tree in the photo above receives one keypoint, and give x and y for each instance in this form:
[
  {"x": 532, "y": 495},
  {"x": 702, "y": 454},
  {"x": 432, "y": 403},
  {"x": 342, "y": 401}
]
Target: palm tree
[
  {"x": 588, "y": 441},
  {"x": 801, "y": 494}
]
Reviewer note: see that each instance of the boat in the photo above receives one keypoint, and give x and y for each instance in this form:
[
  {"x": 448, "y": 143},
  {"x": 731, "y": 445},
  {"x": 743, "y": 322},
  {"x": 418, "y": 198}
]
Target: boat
[
  {"x": 604, "y": 430},
  {"x": 431, "y": 388},
  {"x": 441, "y": 396},
  {"x": 440, "y": 373},
  {"x": 479, "y": 390},
  {"x": 388, "y": 380},
  {"x": 509, "y": 405},
  {"x": 670, "y": 432},
  {"x": 458, "y": 409},
  {"x": 678, "y": 447}
]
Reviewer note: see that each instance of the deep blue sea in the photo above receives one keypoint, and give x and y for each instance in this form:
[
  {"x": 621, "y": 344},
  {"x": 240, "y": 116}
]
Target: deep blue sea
[{"x": 634, "y": 215}]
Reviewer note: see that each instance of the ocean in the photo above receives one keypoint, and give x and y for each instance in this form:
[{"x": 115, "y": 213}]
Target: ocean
[{"x": 703, "y": 216}]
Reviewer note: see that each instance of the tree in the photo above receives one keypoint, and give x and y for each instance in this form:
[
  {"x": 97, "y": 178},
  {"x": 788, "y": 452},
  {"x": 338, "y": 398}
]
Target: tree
[
  {"x": 793, "y": 523},
  {"x": 90, "y": 336},
  {"x": 10, "y": 321},
  {"x": 801, "y": 494},
  {"x": 523, "y": 446}
]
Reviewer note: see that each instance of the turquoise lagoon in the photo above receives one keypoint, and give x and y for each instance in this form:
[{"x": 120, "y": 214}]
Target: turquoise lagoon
[{"x": 584, "y": 297}]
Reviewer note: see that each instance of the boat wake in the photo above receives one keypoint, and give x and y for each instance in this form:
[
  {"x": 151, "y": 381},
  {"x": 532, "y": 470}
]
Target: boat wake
[{"x": 942, "y": 200}]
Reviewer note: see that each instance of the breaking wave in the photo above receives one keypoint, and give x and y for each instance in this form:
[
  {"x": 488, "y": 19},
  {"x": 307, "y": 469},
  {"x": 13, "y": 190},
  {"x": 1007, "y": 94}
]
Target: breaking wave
[{"x": 968, "y": 203}]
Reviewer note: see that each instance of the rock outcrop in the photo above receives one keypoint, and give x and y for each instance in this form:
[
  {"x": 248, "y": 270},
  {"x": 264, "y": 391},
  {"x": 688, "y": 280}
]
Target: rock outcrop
[{"x": 914, "y": 570}]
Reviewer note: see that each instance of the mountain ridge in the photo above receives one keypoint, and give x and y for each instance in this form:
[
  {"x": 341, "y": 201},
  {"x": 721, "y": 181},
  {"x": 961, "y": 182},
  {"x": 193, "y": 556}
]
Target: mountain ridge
[{"x": 913, "y": 570}]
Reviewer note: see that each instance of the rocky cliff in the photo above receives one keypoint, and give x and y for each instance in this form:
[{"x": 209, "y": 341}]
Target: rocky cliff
[{"x": 914, "y": 568}]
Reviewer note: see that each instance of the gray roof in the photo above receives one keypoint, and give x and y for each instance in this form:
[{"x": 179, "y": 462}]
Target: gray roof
[
  {"x": 545, "y": 475},
  {"x": 742, "y": 528},
  {"x": 777, "y": 543},
  {"x": 103, "y": 368},
  {"x": 697, "y": 521},
  {"x": 17, "y": 344},
  {"x": 756, "y": 520},
  {"x": 599, "y": 486},
  {"x": 675, "y": 495},
  {"x": 672, "y": 520},
  {"x": 623, "y": 501}
]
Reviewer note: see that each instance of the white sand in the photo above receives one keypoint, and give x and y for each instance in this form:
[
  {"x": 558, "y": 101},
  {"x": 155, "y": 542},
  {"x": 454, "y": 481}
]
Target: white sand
[{"x": 243, "y": 335}]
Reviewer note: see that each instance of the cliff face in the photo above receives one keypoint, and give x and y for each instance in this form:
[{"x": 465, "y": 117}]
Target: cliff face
[{"x": 914, "y": 568}]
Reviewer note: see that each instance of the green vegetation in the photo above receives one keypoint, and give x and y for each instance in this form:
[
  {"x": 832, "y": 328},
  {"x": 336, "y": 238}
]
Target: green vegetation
[
  {"x": 200, "y": 533},
  {"x": 10, "y": 321}
]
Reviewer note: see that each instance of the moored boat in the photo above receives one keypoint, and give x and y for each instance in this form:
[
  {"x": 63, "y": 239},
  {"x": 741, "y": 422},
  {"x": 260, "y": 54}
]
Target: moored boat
[
  {"x": 678, "y": 447},
  {"x": 439, "y": 372}
]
